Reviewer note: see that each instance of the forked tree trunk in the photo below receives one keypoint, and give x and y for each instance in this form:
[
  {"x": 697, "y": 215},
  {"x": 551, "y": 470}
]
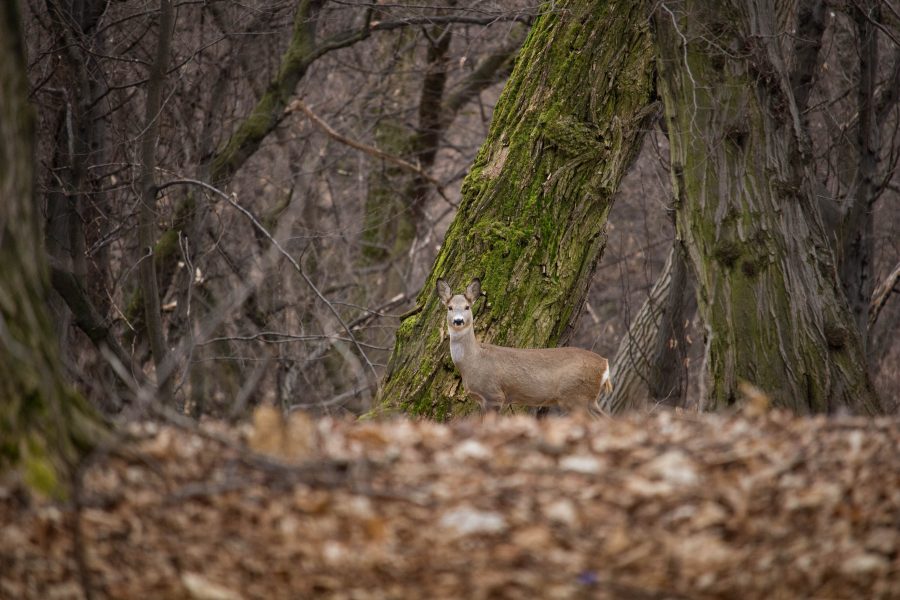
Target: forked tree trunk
[
  {"x": 43, "y": 423},
  {"x": 531, "y": 222},
  {"x": 768, "y": 293}
]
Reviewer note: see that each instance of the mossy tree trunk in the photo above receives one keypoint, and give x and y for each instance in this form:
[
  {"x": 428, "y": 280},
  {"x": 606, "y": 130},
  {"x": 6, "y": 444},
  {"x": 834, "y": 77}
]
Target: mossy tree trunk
[
  {"x": 767, "y": 291},
  {"x": 44, "y": 424},
  {"x": 532, "y": 218}
]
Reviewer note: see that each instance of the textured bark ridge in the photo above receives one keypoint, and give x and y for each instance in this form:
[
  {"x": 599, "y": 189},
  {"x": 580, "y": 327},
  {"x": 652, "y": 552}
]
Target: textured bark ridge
[
  {"x": 767, "y": 286},
  {"x": 649, "y": 366},
  {"x": 531, "y": 222}
]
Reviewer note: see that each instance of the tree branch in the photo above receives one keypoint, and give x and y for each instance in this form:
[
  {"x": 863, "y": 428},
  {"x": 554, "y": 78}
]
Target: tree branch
[{"x": 87, "y": 318}]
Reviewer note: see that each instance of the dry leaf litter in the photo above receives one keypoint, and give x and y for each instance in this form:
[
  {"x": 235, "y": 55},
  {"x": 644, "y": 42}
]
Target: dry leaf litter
[{"x": 665, "y": 506}]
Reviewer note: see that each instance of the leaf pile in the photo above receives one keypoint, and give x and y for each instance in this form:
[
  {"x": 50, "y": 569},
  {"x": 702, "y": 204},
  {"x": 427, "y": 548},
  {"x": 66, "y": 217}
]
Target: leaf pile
[{"x": 665, "y": 506}]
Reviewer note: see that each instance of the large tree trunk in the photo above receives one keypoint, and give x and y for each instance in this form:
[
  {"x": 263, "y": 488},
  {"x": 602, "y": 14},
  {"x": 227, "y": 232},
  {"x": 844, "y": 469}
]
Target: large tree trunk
[
  {"x": 774, "y": 311},
  {"x": 531, "y": 222},
  {"x": 43, "y": 423}
]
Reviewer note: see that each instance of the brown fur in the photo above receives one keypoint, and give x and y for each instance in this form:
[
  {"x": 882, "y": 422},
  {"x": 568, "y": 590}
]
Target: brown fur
[{"x": 497, "y": 375}]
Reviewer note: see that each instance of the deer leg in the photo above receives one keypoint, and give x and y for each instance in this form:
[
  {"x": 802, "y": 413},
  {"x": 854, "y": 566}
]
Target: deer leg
[
  {"x": 495, "y": 401},
  {"x": 483, "y": 404}
]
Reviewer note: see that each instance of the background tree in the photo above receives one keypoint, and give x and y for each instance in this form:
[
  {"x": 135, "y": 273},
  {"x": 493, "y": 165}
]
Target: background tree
[{"x": 283, "y": 108}]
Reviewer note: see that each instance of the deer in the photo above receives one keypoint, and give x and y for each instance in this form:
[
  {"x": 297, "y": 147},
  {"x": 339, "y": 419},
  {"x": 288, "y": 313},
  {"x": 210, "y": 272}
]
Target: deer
[{"x": 496, "y": 376}]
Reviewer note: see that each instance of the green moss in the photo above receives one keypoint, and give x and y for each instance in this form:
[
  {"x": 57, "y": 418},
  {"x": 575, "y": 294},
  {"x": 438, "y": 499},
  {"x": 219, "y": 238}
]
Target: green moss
[
  {"x": 407, "y": 326},
  {"x": 573, "y": 138},
  {"x": 535, "y": 201},
  {"x": 501, "y": 238},
  {"x": 39, "y": 472},
  {"x": 165, "y": 255},
  {"x": 727, "y": 252},
  {"x": 166, "y": 249}
]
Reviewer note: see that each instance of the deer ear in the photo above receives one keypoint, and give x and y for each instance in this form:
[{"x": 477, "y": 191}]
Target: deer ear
[
  {"x": 443, "y": 290},
  {"x": 473, "y": 291}
]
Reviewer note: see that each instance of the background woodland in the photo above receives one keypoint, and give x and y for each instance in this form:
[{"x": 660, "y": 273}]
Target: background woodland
[{"x": 274, "y": 181}]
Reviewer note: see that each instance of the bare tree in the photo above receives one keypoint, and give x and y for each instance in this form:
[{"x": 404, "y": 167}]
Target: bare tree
[
  {"x": 147, "y": 215},
  {"x": 137, "y": 148}
]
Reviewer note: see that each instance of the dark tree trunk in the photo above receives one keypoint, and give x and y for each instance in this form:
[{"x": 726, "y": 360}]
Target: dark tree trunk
[
  {"x": 531, "y": 222},
  {"x": 668, "y": 373},
  {"x": 650, "y": 365},
  {"x": 858, "y": 227},
  {"x": 148, "y": 223},
  {"x": 44, "y": 425},
  {"x": 76, "y": 206},
  {"x": 775, "y": 314}
]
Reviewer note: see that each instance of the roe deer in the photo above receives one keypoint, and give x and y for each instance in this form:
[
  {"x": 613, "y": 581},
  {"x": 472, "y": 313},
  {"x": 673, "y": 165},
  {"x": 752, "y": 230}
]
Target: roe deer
[{"x": 496, "y": 375}]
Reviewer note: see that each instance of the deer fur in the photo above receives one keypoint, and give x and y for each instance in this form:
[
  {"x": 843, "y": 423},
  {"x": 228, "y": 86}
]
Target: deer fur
[{"x": 495, "y": 376}]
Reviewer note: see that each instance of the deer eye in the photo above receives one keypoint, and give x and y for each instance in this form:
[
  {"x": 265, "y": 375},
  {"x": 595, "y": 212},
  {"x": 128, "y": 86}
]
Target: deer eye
[
  {"x": 450, "y": 308},
  {"x": 467, "y": 307}
]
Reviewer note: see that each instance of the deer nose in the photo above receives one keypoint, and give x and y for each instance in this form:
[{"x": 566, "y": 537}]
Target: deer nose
[{"x": 458, "y": 321}]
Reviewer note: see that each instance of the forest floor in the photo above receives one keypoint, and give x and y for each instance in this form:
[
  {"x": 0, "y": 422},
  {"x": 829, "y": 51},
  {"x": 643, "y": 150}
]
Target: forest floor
[{"x": 662, "y": 506}]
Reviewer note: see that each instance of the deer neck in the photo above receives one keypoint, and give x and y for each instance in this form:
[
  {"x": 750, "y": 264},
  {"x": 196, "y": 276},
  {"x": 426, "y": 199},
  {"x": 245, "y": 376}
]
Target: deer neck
[{"x": 463, "y": 346}]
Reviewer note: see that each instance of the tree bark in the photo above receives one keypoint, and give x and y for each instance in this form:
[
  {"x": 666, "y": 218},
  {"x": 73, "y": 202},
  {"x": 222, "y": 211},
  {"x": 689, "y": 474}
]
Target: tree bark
[
  {"x": 650, "y": 364},
  {"x": 534, "y": 207},
  {"x": 44, "y": 424},
  {"x": 774, "y": 312}
]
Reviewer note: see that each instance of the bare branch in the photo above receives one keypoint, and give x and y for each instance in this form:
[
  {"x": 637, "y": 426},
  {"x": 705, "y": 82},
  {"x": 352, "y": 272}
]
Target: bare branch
[{"x": 230, "y": 199}]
